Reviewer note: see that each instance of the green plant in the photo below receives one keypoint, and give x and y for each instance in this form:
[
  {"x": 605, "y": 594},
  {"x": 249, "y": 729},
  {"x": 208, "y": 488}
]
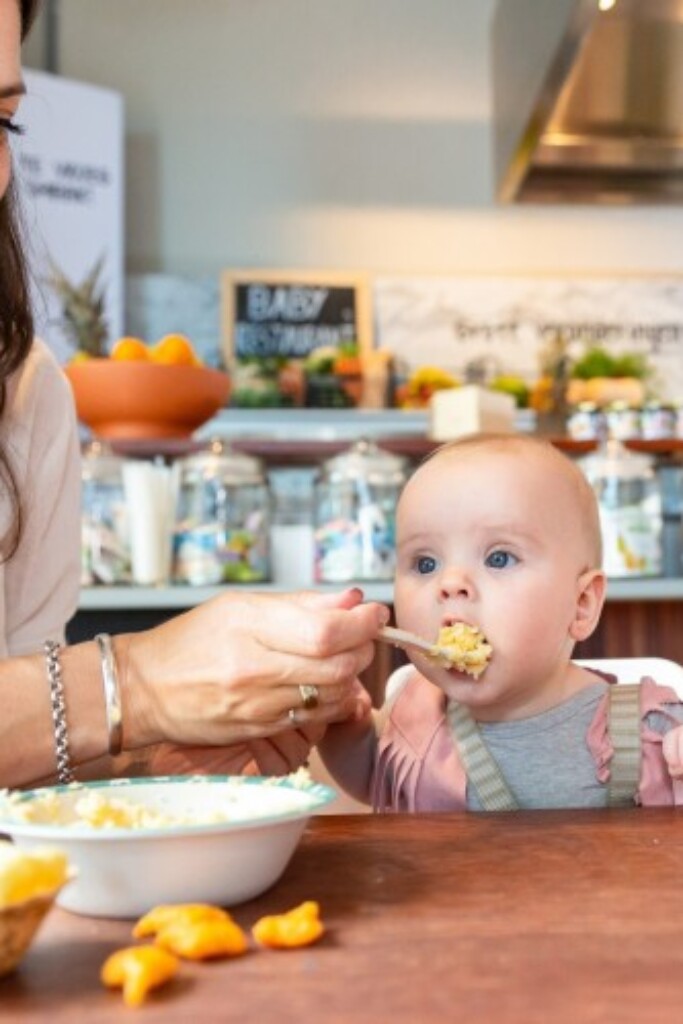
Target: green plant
[
  {"x": 83, "y": 307},
  {"x": 598, "y": 362}
]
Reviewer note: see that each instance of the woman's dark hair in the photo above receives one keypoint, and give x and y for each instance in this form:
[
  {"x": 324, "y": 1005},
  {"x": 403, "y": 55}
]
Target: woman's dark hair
[{"x": 16, "y": 320}]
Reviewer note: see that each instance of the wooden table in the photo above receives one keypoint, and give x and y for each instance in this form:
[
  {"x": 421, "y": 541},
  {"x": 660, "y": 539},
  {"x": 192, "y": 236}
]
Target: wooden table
[{"x": 555, "y": 916}]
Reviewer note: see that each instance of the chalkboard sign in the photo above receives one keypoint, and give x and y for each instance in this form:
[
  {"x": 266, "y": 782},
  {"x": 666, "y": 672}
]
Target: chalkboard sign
[{"x": 286, "y": 315}]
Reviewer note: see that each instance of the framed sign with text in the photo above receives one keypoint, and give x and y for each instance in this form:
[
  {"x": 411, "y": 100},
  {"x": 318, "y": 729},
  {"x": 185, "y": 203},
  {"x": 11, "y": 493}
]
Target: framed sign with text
[{"x": 275, "y": 324}]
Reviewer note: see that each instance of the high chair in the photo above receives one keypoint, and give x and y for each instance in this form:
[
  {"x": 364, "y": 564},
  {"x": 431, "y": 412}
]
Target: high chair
[{"x": 631, "y": 670}]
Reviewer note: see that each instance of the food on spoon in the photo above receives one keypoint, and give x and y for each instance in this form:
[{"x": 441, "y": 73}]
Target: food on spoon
[
  {"x": 138, "y": 970},
  {"x": 461, "y": 647},
  {"x": 298, "y": 927}
]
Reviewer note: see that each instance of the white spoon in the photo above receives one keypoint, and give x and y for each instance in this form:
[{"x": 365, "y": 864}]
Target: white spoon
[
  {"x": 402, "y": 638},
  {"x": 471, "y": 662}
]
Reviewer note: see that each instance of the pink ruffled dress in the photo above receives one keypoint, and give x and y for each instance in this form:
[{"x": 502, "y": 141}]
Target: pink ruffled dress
[{"x": 417, "y": 766}]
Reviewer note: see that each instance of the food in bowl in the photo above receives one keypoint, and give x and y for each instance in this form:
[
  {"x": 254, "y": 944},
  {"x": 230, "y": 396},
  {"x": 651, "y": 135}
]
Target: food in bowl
[
  {"x": 192, "y": 839},
  {"x": 462, "y": 647},
  {"x": 29, "y": 882}
]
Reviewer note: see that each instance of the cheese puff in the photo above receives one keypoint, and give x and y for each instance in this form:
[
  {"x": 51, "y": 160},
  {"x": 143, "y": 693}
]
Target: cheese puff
[
  {"x": 138, "y": 969},
  {"x": 165, "y": 914},
  {"x": 202, "y": 940},
  {"x": 298, "y": 927}
]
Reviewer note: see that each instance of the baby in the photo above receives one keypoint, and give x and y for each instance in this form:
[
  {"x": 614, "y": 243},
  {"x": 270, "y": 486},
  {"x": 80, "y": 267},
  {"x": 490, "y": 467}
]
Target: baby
[{"x": 501, "y": 533}]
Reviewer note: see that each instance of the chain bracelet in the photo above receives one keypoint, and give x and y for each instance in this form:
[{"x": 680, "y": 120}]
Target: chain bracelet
[{"x": 54, "y": 675}]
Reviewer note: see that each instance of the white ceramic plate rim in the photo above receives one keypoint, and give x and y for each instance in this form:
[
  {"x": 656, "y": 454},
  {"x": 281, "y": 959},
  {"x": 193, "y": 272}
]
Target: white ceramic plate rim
[{"x": 319, "y": 795}]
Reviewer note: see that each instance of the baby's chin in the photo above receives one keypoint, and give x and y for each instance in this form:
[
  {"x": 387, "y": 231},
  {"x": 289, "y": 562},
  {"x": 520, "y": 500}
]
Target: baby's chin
[{"x": 459, "y": 686}]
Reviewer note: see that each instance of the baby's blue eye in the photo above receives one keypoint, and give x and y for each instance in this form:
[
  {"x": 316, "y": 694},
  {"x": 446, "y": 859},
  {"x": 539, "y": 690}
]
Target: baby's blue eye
[
  {"x": 425, "y": 564},
  {"x": 500, "y": 560}
]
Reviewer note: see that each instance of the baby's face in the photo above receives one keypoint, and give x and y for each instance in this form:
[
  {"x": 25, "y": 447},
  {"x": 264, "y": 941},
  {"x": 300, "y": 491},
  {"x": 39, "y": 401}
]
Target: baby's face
[{"x": 493, "y": 539}]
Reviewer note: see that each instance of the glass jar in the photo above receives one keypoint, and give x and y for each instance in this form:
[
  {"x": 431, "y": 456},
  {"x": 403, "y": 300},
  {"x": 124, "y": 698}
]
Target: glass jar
[
  {"x": 355, "y": 497},
  {"x": 105, "y": 533},
  {"x": 586, "y": 422},
  {"x": 222, "y": 523},
  {"x": 623, "y": 421},
  {"x": 630, "y": 503},
  {"x": 658, "y": 421},
  {"x": 291, "y": 533}
]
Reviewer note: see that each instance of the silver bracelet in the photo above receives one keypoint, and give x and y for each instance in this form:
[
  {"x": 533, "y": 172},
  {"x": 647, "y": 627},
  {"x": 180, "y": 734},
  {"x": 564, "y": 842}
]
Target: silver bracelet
[
  {"x": 112, "y": 693},
  {"x": 54, "y": 675}
]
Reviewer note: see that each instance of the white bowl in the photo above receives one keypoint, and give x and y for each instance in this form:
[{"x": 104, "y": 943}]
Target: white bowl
[{"x": 123, "y": 872}]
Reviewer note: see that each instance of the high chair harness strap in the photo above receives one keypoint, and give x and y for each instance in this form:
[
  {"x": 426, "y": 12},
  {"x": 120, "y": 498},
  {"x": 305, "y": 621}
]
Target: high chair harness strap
[
  {"x": 623, "y": 724},
  {"x": 480, "y": 766},
  {"x": 494, "y": 794}
]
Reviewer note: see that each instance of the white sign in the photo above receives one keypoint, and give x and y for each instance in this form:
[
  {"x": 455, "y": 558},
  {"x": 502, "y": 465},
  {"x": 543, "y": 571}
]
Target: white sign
[
  {"x": 455, "y": 323},
  {"x": 69, "y": 172}
]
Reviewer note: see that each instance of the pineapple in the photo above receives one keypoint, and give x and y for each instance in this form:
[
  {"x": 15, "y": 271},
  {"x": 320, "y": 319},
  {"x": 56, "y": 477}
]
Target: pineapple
[{"x": 83, "y": 310}]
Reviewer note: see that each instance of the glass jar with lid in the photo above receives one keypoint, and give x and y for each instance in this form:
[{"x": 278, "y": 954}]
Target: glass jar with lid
[
  {"x": 355, "y": 497},
  {"x": 630, "y": 504},
  {"x": 105, "y": 526},
  {"x": 223, "y": 515}
]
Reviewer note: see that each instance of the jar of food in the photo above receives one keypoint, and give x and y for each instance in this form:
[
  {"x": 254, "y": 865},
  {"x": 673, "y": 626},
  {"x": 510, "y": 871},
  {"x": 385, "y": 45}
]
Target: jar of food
[
  {"x": 679, "y": 420},
  {"x": 222, "y": 525},
  {"x": 630, "y": 503},
  {"x": 586, "y": 422},
  {"x": 355, "y": 497},
  {"x": 658, "y": 421},
  {"x": 623, "y": 421},
  {"x": 105, "y": 533}
]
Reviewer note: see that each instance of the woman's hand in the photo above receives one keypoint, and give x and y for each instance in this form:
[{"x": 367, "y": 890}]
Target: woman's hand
[{"x": 230, "y": 670}]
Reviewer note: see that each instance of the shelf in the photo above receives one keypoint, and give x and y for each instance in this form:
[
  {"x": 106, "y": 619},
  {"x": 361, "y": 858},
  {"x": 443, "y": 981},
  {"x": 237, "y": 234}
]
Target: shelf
[
  {"x": 179, "y": 597},
  {"x": 303, "y": 452}
]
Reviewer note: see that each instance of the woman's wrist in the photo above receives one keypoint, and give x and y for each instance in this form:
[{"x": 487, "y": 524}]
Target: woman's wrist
[
  {"x": 85, "y": 709},
  {"x": 137, "y": 711}
]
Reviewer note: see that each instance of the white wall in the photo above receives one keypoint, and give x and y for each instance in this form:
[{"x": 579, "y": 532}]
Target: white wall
[{"x": 328, "y": 133}]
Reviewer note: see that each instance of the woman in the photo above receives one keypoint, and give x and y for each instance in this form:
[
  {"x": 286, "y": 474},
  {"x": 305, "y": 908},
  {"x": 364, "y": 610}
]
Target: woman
[{"x": 253, "y": 677}]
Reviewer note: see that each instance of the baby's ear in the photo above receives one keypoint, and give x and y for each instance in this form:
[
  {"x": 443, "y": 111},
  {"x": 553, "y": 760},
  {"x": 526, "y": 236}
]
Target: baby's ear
[{"x": 591, "y": 588}]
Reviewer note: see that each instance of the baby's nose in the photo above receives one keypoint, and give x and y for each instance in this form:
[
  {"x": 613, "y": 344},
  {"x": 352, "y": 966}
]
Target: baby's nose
[{"x": 456, "y": 582}]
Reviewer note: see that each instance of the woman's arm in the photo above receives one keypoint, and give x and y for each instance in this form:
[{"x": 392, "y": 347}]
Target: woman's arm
[{"x": 228, "y": 672}]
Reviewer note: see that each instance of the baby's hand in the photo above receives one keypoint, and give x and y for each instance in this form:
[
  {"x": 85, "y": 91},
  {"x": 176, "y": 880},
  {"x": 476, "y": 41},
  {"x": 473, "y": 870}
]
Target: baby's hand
[{"x": 672, "y": 748}]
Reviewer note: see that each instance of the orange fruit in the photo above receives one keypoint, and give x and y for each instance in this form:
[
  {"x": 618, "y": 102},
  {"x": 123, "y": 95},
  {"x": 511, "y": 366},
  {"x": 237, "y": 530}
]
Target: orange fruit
[
  {"x": 175, "y": 350},
  {"x": 130, "y": 349}
]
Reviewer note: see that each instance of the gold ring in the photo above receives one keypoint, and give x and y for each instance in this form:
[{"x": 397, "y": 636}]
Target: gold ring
[{"x": 309, "y": 696}]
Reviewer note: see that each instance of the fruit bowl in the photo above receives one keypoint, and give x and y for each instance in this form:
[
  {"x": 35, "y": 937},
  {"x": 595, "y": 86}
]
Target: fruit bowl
[{"x": 138, "y": 399}]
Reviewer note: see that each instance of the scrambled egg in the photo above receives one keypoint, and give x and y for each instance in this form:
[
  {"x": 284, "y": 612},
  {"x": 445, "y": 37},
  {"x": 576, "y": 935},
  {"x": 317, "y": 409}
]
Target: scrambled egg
[
  {"x": 234, "y": 802},
  {"x": 462, "y": 647}
]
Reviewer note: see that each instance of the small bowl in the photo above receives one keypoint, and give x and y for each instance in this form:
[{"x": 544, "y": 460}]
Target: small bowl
[
  {"x": 123, "y": 872},
  {"x": 19, "y": 923},
  {"x": 120, "y": 399}
]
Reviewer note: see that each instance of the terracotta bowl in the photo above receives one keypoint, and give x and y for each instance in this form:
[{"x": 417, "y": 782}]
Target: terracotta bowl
[{"x": 146, "y": 400}]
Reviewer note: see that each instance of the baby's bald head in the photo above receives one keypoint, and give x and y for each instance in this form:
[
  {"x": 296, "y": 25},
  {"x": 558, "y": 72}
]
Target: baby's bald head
[{"x": 563, "y": 479}]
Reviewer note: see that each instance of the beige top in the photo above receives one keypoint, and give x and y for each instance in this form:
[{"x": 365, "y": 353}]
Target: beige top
[{"x": 39, "y": 585}]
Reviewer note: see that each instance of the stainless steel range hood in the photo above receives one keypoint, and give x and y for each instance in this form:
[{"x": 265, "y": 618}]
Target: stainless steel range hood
[{"x": 588, "y": 101}]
